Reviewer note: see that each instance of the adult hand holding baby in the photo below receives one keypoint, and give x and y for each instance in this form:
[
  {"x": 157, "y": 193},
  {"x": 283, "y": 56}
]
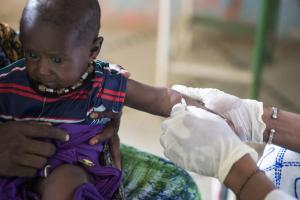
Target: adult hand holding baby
[{"x": 21, "y": 154}]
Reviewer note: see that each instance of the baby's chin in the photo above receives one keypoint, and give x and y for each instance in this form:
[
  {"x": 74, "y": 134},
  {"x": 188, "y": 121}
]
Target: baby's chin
[
  {"x": 51, "y": 85},
  {"x": 55, "y": 85}
]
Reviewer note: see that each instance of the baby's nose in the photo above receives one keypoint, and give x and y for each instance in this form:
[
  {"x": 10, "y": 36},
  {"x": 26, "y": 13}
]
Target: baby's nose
[{"x": 44, "y": 68}]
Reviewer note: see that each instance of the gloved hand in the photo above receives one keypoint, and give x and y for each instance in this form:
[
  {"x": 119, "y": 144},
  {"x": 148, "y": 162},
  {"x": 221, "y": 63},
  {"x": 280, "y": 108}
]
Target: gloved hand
[
  {"x": 245, "y": 114},
  {"x": 202, "y": 142}
]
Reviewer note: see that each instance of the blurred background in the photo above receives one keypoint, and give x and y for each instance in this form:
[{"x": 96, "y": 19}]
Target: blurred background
[{"x": 249, "y": 48}]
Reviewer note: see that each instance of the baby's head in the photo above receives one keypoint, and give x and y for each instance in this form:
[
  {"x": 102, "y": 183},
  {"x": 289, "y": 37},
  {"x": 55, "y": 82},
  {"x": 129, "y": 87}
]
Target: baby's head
[{"x": 60, "y": 38}]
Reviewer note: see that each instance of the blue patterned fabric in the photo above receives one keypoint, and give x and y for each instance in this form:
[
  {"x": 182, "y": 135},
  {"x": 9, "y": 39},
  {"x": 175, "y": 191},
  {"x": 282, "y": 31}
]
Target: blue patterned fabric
[{"x": 282, "y": 166}]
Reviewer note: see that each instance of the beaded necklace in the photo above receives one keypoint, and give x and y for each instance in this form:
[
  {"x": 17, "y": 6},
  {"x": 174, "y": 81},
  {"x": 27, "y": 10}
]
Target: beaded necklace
[{"x": 61, "y": 91}]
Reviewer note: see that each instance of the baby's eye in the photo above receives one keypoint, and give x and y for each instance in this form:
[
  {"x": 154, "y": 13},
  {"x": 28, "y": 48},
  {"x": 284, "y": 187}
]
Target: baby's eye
[
  {"x": 56, "y": 60},
  {"x": 32, "y": 55}
]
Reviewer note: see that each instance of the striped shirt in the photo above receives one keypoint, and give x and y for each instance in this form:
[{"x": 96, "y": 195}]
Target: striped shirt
[{"x": 20, "y": 102}]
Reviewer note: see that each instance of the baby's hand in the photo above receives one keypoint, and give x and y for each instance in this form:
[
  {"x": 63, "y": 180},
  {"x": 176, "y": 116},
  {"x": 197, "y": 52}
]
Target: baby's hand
[{"x": 200, "y": 104}]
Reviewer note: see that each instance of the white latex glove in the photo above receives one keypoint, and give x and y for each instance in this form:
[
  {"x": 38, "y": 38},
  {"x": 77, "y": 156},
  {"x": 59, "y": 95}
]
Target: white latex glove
[
  {"x": 201, "y": 142},
  {"x": 278, "y": 195},
  {"x": 245, "y": 114}
]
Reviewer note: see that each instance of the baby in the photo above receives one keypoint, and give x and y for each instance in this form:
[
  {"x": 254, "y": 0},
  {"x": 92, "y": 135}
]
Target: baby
[{"x": 60, "y": 82}]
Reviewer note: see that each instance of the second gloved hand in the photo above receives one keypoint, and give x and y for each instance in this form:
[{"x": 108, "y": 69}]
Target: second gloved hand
[{"x": 201, "y": 142}]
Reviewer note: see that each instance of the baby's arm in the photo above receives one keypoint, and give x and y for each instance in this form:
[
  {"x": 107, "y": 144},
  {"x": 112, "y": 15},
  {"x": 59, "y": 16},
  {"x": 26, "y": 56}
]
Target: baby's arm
[{"x": 154, "y": 100}]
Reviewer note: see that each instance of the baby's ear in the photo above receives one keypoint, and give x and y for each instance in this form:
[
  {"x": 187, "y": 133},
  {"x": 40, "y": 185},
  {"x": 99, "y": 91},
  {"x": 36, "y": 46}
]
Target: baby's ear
[{"x": 95, "y": 48}]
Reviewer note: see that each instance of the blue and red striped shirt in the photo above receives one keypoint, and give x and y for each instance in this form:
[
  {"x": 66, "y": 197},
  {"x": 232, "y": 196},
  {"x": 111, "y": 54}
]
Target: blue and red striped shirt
[{"x": 19, "y": 101}]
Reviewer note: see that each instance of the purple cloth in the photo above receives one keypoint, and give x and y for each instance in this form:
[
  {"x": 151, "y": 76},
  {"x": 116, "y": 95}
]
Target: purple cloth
[{"x": 77, "y": 151}]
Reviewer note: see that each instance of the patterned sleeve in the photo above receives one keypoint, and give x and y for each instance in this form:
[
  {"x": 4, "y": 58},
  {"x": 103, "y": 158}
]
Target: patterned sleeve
[{"x": 112, "y": 91}]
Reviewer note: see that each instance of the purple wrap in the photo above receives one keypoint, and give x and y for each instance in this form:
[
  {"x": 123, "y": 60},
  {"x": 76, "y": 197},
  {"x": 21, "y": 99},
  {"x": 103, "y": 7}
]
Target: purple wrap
[{"x": 77, "y": 151}]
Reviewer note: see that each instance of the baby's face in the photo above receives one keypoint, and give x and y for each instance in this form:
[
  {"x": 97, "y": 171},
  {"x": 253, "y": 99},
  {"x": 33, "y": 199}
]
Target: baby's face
[{"x": 51, "y": 56}]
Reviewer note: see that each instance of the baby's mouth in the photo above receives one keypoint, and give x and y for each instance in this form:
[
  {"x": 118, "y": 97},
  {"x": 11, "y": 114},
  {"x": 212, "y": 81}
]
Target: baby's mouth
[{"x": 49, "y": 84}]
